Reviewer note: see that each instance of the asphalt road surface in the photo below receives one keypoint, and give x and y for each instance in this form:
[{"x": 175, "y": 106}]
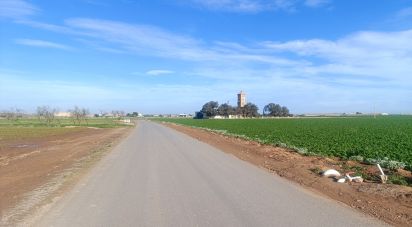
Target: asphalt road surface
[{"x": 160, "y": 177}]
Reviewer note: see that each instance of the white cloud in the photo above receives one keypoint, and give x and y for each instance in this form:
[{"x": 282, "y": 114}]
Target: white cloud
[
  {"x": 366, "y": 55},
  {"x": 143, "y": 39},
  {"x": 380, "y": 55},
  {"x": 16, "y": 9},
  {"x": 157, "y": 72},
  {"x": 118, "y": 37},
  {"x": 49, "y": 27},
  {"x": 41, "y": 43},
  {"x": 253, "y": 6}
]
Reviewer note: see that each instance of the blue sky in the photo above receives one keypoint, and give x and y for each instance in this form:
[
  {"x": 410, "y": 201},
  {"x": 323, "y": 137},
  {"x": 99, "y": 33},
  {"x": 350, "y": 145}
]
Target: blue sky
[{"x": 173, "y": 56}]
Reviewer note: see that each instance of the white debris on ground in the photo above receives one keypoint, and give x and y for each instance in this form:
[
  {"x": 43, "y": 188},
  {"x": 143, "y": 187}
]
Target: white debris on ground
[
  {"x": 357, "y": 179},
  {"x": 383, "y": 177},
  {"x": 335, "y": 174},
  {"x": 331, "y": 173},
  {"x": 341, "y": 180}
]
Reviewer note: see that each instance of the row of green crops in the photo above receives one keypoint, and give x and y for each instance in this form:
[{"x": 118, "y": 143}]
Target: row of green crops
[{"x": 387, "y": 137}]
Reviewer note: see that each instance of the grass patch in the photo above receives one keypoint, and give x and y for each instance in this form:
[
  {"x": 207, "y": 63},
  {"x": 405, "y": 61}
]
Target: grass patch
[
  {"x": 14, "y": 133},
  {"x": 63, "y": 122},
  {"x": 399, "y": 179},
  {"x": 32, "y": 128}
]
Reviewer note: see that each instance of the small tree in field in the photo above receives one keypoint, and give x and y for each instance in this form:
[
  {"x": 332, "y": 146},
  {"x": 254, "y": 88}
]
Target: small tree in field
[
  {"x": 13, "y": 114},
  {"x": 46, "y": 114},
  {"x": 78, "y": 115},
  {"x": 84, "y": 113}
]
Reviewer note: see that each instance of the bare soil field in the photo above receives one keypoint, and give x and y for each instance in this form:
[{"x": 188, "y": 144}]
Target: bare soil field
[
  {"x": 35, "y": 163},
  {"x": 388, "y": 202}
]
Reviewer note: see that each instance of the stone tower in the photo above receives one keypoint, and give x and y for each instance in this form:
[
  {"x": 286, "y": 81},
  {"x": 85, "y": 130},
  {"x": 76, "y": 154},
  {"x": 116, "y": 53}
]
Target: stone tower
[{"x": 241, "y": 99}]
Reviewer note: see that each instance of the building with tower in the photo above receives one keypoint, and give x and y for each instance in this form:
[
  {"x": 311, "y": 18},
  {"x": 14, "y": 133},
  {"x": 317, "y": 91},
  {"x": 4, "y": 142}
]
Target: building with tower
[{"x": 241, "y": 99}]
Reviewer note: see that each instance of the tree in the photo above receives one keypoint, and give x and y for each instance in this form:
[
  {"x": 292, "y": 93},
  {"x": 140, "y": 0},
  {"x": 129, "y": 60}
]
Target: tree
[
  {"x": 225, "y": 110},
  {"x": 284, "y": 111},
  {"x": 272, "y": 109},
  {"x": 75, "y": 114},
  {"x": 275, "y": 110},
  {"x": 46, "y": 114},
  {"x": 210, "y": 108},
  {"x": 134, "y": 114},
  {"x": 79, "y": 114},
  {"x": 84, "y": 113},
  {"x": 13, "y": 114},
  {"x": 249, "y": 110}
]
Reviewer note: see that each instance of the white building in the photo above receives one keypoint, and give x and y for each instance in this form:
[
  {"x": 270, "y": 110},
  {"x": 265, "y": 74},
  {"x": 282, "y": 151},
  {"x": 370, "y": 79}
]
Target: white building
[{"x": 63, "y": 114}]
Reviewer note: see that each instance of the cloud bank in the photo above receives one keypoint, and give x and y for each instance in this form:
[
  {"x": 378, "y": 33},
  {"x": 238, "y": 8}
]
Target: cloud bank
[{"x": 16, "y": 9}]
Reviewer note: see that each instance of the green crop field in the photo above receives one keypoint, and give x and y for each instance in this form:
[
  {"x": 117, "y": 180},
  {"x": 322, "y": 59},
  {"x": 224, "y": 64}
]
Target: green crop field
[{"x": 385, "y": 139}]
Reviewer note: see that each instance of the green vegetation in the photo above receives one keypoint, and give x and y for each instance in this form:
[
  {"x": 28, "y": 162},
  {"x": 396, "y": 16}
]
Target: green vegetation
[
  {"x": 21, "y": 133},
  {"x": 386, "y": 139},
  {"x": 30, "y": 128},
  {"x": 399, "y": 179},
  {"x": 62, "y": 122}
]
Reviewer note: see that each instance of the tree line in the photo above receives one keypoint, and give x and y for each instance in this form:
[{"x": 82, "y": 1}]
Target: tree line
[
  {"x": 47, "y": 115},
  {"x": 212, "y": 109},
  {"x": 13, "y": 114}
]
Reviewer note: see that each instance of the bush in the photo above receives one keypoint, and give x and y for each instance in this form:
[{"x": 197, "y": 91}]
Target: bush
[{"x": 386, "y": 163}]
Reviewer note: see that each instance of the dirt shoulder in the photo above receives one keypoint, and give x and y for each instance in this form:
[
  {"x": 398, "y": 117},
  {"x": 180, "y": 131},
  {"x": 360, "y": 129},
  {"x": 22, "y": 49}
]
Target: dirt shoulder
[
  {"x": 388, "y": 202},
  {"x": 34, "y": 170}
]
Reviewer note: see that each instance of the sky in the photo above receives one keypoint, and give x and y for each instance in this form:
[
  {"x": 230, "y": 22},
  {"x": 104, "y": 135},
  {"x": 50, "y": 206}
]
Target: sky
[{"x": 165, "y": 56}]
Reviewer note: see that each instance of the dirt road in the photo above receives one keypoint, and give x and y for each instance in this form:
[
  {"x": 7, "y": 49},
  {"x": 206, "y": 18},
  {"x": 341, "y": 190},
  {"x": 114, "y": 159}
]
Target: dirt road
[{"x": 160, "y": 177}]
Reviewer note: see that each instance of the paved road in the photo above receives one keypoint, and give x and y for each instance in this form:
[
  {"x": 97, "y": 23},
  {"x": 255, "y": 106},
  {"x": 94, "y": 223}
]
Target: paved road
[{"x": 160, "y": 177}]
